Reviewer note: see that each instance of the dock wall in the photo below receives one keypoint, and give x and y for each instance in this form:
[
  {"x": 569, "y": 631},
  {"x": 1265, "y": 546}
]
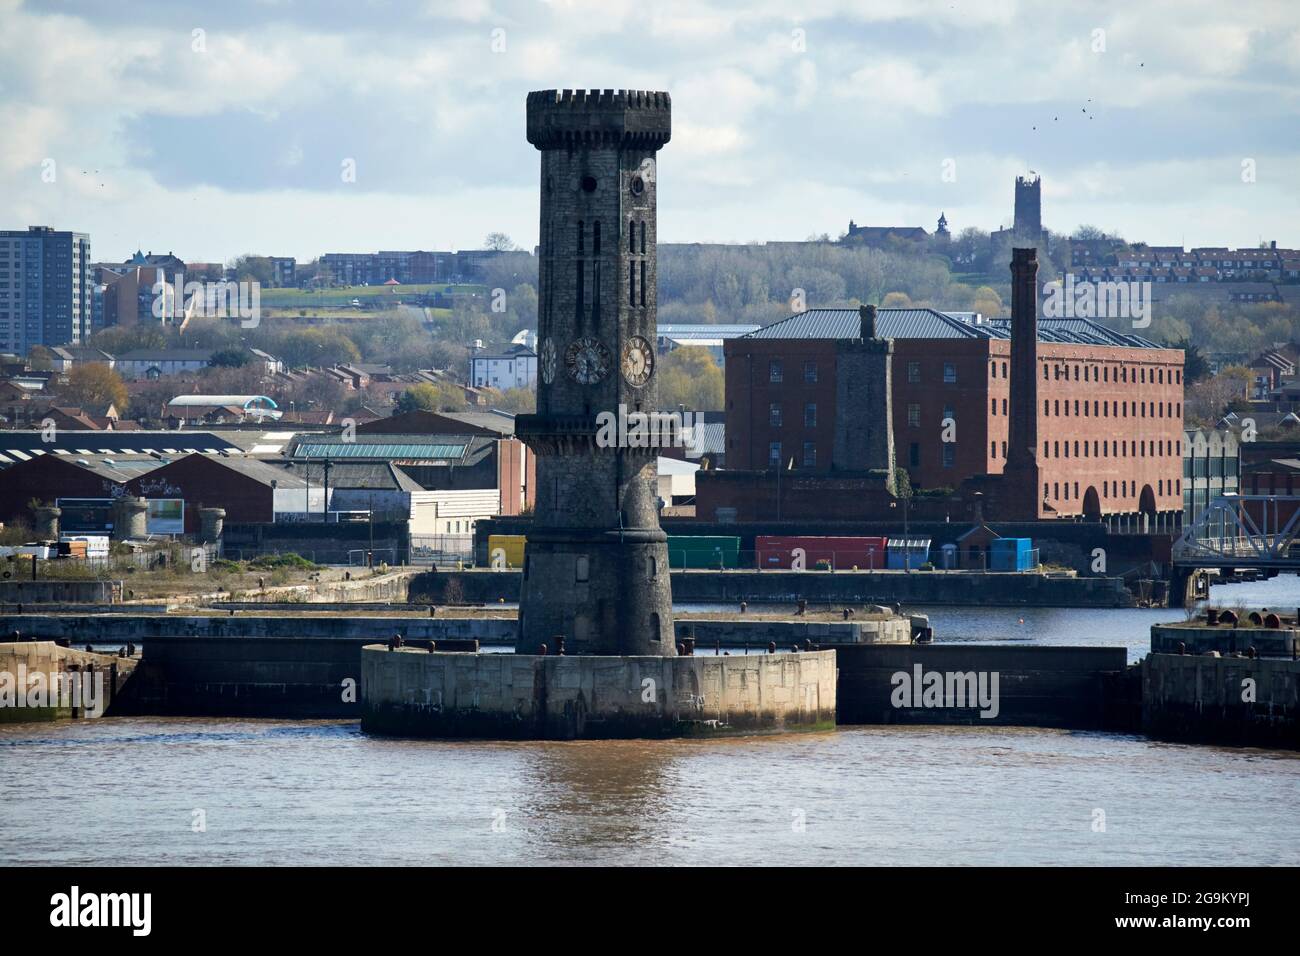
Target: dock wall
[
  {"x": 1071, "y": 687},
  {"x": 27, "y": 658},
  {"x": 959, "y": 588},
  {"x": 1230, "y": 700},
  {"x": 410, "y": 692}
]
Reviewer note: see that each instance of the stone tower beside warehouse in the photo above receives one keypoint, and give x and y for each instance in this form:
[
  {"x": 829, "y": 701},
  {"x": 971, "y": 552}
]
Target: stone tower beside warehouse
[
  {"x": 596, "y": 568},
  {"x": 1021, "y": 473},
  {"x": 864, "y": 419}
]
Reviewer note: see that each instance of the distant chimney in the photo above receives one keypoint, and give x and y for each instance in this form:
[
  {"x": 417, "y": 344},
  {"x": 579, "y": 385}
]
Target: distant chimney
[
  {"x": 1023, "y": 430},
  {"x": 867, "y": 320}
]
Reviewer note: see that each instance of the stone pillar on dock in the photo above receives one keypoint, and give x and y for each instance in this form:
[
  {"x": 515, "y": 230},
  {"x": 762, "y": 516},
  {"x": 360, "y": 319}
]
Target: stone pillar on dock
[
  {"x": 211, "y": 524},
  {"x": 130, "y": 518},
  {"x": 47, "y": 523}
]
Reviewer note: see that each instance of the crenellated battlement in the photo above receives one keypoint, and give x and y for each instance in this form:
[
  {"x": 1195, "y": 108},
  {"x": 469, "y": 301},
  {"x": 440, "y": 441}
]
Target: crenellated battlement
[{"x": 559, "y": 119}]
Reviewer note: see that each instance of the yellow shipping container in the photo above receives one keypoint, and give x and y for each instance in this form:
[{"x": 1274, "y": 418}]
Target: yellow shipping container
[{"x": 507, "y": 548}]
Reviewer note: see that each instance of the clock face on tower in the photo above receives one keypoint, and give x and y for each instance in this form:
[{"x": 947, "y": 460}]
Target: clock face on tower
[
  {"x": 548, "y": 361},
  {"x": 638, "y": 361},
  {"x": 587, "y": 360}
]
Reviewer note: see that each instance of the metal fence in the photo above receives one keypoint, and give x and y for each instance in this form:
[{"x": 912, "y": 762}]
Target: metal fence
[
  {"x": 173, "y": 555},
  {"x": 442, "y": 550}
]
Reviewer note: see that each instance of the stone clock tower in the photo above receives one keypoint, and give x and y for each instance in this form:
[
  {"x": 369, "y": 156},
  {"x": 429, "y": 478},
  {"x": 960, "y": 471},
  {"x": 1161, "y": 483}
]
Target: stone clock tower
[{"x": 596, "y": 569}]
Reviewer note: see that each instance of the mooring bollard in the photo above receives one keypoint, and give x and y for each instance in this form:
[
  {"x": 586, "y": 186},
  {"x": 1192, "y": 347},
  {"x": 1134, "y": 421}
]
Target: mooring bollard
[{"x": 771, "y": 647}]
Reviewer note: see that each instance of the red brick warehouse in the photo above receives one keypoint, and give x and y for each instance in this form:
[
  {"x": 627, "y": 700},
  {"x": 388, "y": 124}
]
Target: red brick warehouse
[{"x": 1109, "y": 411}]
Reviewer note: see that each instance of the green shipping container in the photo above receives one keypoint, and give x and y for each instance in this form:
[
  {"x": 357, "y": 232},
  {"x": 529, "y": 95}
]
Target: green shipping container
[{"x": 701, "y": 551}]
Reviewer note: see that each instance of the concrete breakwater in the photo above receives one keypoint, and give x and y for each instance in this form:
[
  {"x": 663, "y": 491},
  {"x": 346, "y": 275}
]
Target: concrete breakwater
[
  {"x": 1232, "y": 700},
  {"x": 411, "y": 692},
  {"x": 957, "y": 588},
  {"x": 72, "y": 683}
]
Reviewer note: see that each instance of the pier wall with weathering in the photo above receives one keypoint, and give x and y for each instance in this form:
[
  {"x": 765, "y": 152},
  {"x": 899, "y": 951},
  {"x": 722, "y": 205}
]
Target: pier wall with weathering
[
  {"x": 410, "y": 692},
  {"x": 1069, "y": 687},
  {"x": 29, "y": 657},
  {"x": 951, "y": 588},
  {"x": 1229, "y": 700}
]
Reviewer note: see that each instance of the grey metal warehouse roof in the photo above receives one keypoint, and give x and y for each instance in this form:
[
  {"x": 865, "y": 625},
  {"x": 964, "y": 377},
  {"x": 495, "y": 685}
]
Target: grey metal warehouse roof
[{"x": 933, "y": 324}]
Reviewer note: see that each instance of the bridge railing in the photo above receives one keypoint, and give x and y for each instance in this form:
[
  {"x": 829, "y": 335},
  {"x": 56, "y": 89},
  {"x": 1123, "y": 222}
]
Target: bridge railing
[{"x": 1257, "y": 530}]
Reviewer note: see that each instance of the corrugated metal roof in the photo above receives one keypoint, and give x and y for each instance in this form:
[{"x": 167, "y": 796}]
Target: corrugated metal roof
[
  {"x": 389, "y": 450},
  {"x": 933, "y": 324},
  {"x": 890, "y": 323},
  {"x": 704, "y": 331},
  {"x": 24, "y": 444}
]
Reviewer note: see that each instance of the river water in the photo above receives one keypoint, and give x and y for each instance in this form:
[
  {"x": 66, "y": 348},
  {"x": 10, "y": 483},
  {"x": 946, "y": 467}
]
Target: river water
[{"x": 193, "y": 791}]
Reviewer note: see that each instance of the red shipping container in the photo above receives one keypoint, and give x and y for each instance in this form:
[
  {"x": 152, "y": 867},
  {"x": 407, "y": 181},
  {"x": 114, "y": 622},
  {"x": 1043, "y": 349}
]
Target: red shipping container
[{"x": 774, "y": 551}]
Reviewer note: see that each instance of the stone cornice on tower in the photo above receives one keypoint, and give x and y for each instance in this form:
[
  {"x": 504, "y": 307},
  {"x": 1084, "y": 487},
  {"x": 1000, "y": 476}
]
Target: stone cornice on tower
[{"x": 599, "y": 118}]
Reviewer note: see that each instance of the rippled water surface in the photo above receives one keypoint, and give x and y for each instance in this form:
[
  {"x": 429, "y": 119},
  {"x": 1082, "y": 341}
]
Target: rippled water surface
[{"x": 126, "y": 790}]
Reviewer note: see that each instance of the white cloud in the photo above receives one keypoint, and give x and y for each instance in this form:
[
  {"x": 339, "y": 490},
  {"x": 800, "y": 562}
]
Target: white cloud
[{"x": 894, "y": 86}]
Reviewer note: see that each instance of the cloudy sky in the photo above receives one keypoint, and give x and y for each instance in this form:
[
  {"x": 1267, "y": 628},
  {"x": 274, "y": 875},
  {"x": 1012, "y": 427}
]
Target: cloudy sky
[{"x": 211, "y": 129}]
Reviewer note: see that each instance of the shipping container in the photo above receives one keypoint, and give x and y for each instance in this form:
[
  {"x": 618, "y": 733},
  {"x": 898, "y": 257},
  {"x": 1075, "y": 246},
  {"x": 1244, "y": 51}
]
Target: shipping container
[
  {"x": 1012, "y": 554},
  {"x": 506, "y": 550},
  {"x": 818, "y": 553},
  {"x": 703, "y": 551},
  {"x": 908, "y": 554}
]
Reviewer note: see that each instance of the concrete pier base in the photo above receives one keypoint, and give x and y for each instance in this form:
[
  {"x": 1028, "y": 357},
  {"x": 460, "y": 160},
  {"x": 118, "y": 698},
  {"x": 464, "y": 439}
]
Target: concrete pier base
[
  {"x": 412, "y": 692},
  {"x": 1224, "y": 700}
]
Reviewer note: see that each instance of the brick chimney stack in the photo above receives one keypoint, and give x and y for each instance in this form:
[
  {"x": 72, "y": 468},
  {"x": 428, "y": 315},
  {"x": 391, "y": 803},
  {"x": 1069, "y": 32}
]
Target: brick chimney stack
[
  {"x": 1023, "y": 438},
  {"x": 867, "y": 317}
]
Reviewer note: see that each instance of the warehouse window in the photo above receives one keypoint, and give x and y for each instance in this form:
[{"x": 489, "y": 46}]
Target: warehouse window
[
  {"x": 809, "y": 454},
  {"x": 949, "y": 372},
  {"x": 810, "y": 415},
  {"x": 810, "y": 372},
  {"x": 774, "y": 371},
  {"x": 774, "y": 414},
  {"x": 774, "y": 455},
  {"x": 949, "y": 450},
  {"x": 582, "y": 569},
  {"x": 913, "y": 415},
  {"x": 913, "y": 372}
]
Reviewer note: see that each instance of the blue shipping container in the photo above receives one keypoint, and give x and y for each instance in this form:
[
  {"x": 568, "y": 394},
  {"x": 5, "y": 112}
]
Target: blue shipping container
[{"x": 1011, "y": 554}]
